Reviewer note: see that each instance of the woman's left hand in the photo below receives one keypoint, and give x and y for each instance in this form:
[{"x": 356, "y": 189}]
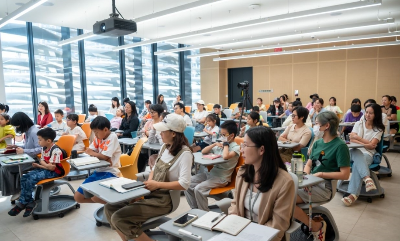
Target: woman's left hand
[
  {"x": 151, "y": 185},
  {"x": 19, "y": 150}
]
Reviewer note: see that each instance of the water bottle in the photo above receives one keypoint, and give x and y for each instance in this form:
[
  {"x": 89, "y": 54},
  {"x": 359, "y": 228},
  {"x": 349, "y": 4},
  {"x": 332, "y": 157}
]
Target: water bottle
[
  {"x": 214, "y": 137},
  {"x": 297, "y": 165}
]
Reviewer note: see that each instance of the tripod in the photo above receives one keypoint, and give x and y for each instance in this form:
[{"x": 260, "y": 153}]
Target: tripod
[{"x": 246, "y": 98}]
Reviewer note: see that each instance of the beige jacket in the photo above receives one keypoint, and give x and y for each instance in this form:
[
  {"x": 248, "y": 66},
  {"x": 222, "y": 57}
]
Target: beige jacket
[{"x": 276, "y": 205}]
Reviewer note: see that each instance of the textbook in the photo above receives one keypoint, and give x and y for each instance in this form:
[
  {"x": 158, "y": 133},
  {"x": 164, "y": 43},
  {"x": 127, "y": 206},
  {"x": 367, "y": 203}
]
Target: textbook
[
  {"x": 117, "y": 184},
  {"x": 253, "y": 232},
  {"x": 231, "y": 224},
  {"x": 18, "y": 157},
  {"x": 84, "y": 160},
  {"x": 211, "y": 156}
]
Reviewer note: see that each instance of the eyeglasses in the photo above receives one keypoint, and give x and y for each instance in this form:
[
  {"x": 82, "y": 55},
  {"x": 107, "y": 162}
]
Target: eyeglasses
[
  {"x": 243, "y": 145},
  {"x": 226, "y": 135},
  {"x": 294, "y": 116},
  {"x": 152, "y": 112}
]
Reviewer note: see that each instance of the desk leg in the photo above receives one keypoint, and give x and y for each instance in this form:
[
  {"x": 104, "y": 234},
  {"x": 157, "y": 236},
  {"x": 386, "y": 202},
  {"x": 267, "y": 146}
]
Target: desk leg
[
  {"x": 123, "y": 149},
  {"x": 20, "y": 171},
  {"x": 309, "y": 209},
  {"x": 149, "y": 152}
]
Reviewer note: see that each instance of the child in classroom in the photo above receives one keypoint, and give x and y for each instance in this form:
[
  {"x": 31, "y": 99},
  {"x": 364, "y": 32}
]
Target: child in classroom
[
  {"x": 117, "y": 119},
  {"x": 59, "y": 125},
  {"x": 48, "y": 167},
  {"x": 220, "y": 175},
  {"x": 6, "y": 130},
  {"x": 105, "y": 146},
  {"x": 212, "y": 126},
  {"x": 75, "y": 129}
]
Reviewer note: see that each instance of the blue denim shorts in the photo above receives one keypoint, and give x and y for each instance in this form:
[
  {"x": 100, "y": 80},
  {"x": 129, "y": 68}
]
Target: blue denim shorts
[{"x": 95, "y": 177}]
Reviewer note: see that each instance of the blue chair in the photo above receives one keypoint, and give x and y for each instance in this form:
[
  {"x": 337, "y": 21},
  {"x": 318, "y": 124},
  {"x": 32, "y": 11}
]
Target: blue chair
[
  {"x": 189, "y": 134},
  {"x": 109, "y": 116},
  {"x": 134, "y": 134}
]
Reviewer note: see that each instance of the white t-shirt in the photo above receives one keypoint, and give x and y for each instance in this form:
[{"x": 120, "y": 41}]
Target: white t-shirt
[
  {"x": 368, "y": 134},
  {"x": 200, "y": 115},
  {"x": 79, "y": 146},
  {"x": 187, "y": 119},
  {"x": 61, "y": 128},
  {"x": 256, "y": 207},
  {"x": 109, "y": 147},
  {"x": 114, "y": 110},
  {"x": 181, "y": 170},
  {"x": 208, "y": 139}
]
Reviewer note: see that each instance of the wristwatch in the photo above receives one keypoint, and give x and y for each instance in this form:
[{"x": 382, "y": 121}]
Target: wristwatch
[{"x": 225, "y": 143}]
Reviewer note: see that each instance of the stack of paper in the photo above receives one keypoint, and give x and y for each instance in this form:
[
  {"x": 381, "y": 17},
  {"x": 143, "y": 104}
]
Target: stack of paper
[{"x": 84, "y": 161}]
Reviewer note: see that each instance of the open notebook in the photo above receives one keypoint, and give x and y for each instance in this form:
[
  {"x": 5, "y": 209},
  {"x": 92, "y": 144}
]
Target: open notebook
[
  {"x": 231, "y": 224},
  {"x": 253, "y": 232},
  {"x": 117, "y": 184},
  {"x": 84, "y": 160}
]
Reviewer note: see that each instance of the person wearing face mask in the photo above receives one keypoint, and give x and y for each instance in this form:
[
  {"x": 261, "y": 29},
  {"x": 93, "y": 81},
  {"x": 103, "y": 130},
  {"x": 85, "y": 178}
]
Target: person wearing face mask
[
  {"x": 220, "y": 175},
  {"x": 355, "y": 101},
  {"x": 329, "y": 159},
  {"x": 317, "y": 108},
  {"x": 368, "y": 132},
  {"x": 8, "y": 181}
]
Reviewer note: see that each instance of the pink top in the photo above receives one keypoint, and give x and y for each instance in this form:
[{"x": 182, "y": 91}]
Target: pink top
[
  {"x": 116, "y": 122},
  {"x": 309, "y": 106}
]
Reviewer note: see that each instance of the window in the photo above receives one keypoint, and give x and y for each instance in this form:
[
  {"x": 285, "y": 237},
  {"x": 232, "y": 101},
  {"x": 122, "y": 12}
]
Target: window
[
  {"x": 102, "y": 71},
  {"x": 168, "y": 73},
  {"x": 55, "y": 72},
  {"x": 14, "y": 51},
  {"x": 195, "y": 77}
]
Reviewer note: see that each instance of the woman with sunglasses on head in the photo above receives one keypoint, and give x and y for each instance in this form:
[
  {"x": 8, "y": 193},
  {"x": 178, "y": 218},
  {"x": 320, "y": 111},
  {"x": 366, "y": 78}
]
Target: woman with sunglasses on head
[
  {"x": 264, "y": 188},
  {"x": 329, "y": 159},
  {"x": 368, "y": 132}
]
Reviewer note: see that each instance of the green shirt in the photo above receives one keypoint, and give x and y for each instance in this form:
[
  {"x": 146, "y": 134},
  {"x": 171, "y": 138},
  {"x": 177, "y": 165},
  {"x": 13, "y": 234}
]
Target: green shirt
[
  {"x": 225, "y": 170},
  {"x": 329, "y": 157}
]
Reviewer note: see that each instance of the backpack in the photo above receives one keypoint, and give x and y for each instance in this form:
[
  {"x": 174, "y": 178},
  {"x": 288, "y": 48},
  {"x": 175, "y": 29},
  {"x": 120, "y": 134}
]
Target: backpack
[{"x": 59, "y": 167}]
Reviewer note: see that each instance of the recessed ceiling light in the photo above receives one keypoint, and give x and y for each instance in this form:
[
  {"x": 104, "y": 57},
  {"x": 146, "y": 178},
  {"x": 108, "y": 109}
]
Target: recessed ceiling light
[
  {"x": 336, "y": 14},
  {"x": 161, "y": 26},
  {"x": 254, "y": 6},
  {"x": 47, "y": 4}
]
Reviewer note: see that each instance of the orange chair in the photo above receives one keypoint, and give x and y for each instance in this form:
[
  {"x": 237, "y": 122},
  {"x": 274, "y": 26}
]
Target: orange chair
[
  {"x": 231, "y": 185},
  {"x": 67, "y": 142},
  {"x": 86, "y": 128},
  {"x": 81, "y": 118},
  {"x": 129, "y": 167},
  {"x": 188, "y": 109},
  {"x": 233, "y": 106},
  {"x": 53, "y": 205},
  {"x": 210, "y": 106}
]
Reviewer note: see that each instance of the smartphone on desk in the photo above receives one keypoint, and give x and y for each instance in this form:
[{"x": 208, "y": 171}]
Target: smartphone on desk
[{"x": 185, "y": 220}]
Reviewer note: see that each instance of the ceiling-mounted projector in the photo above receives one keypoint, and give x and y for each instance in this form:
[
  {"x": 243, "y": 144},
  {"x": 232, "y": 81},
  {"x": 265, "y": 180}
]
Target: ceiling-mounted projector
[{"x": 114, "y": 26}]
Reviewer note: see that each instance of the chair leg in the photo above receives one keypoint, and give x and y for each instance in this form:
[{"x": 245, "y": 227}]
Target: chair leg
[{"x": 327, "y": 213}]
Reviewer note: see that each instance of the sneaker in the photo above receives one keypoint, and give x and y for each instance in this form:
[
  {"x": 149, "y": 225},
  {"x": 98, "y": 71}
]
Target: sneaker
[
  {"x": 29, "y": 209},
  {"x": 16, "y": 210},
  {"x": 320, "y": 234},
  {"x": 15, "y": 196}
]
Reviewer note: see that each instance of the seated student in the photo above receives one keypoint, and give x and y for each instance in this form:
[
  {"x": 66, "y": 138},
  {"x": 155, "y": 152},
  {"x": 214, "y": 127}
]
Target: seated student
[
  {"x": 117, "y": 119},
  {"x": 298, "y": 132},
  {"x": 236, "y": 115},
  {"x": 126, "y": 100},
  {"x": 276, "y": 109},
  {"x": 93, "y": 113},
  {"x": 310, "y": 104},
  {"x": 394, "y": 102},
  {"x": 177, "y": 100},
  {"x": 218, "y": 112},
  {"x": 145, "y": 114},
  {"x": 283, "y": 101},
  {"x": 155, "y": 112},
  {"x": 44, "y": 116},
  {"x": 200, "y": 114},
  {"x": 130, "y": 122},
  {"x": 261, "y": 105},
  {"x": 368, "y": 131},
  {"x": 264, "y": 188},
  {"x": 115, "y": 105},
  {"x": 48, "y": 167},
  {"x": 6, "y": 130},
  {"x": 160, "y": 101},
  {"x": 257, "y": 109},
  {"x": 391, "y": 112},
  {"x": 8, "y": 181},
  {"x": 59, "y": 124},
  {"x": 172, "y": 172},
  {"x": 105, "y": 146},
  {"x": 289, "y": 110},
  {"x": 329, "y": 159},
  {"x": 385, "y": 121},
  {"x": 253, "y": 120},
  {"x": 317, "y": 108},
  {"x": 354, "y": 116},
  {"x": 75, "y": 129},
  {"x": 333, "y": 107},
  {"x": 179, "y": 109},
  {"x": 355, "y": 101},
  {"x": 212, "y": 126},
  {"x": 289, "y": 121},
  {"x": 220, "y": 175}
]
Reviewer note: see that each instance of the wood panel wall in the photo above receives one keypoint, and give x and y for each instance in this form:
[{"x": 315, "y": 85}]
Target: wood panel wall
[{"x": 345, "y": 74}]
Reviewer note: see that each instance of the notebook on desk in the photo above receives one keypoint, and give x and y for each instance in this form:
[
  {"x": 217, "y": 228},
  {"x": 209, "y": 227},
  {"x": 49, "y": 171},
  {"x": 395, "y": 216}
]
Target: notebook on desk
[
  {"x": 253, "y": 232},
  {"x": 117, "y": 184},
  {"x": 211, "y": 156},
  {"x": 231, "y": 224},
  {"x": 87, "y": 160}
]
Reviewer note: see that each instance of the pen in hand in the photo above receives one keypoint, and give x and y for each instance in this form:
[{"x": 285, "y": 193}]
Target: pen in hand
[{"x": 216, "y": 218}]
